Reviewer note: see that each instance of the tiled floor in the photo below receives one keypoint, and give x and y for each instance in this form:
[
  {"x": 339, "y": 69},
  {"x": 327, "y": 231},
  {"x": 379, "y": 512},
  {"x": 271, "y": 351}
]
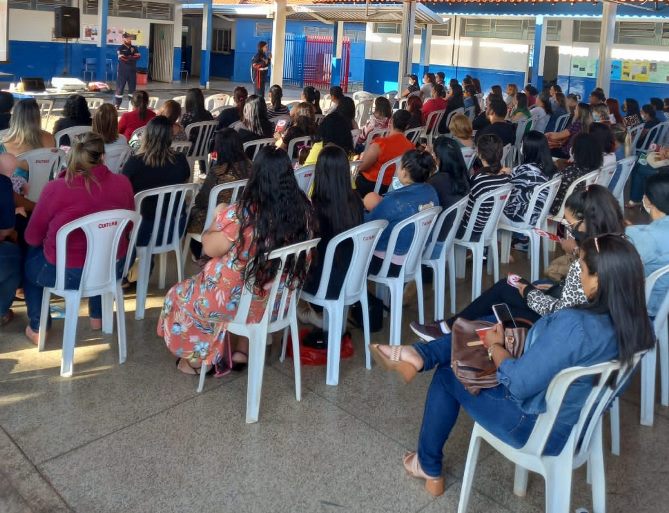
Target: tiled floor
[{"x": 138, "y": 438}]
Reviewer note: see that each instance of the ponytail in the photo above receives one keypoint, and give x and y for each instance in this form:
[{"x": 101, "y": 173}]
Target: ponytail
[
  {"x": 86, "y": 152},
  {"x": 491, "y": 149},
  {"x": 140, "y": 101}
]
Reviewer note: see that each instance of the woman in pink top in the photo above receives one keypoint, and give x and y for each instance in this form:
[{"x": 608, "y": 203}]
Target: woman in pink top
[
  {"x": 86, "y": 187},
  {"x": 378, "y": 120},
  {"x": 138, "y": 117}
]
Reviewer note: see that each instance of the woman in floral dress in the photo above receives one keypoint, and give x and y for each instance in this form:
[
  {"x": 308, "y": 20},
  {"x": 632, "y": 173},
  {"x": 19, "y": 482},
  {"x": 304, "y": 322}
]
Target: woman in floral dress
[{"x": 273, "y": 212}]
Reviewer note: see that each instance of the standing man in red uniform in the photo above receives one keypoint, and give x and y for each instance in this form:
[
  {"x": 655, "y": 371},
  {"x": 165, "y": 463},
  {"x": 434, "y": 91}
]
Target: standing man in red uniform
[{"x": 128, "y": 55}]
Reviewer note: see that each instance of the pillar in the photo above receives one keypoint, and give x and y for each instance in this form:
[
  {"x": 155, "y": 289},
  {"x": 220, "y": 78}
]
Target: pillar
[
  {"x": 176, "y": 42},
  {"x": 205, "y": 62},
  {"x": 606, "y": 37},
  {"x": 337, "y": 45},
  {"x": 406, "y": 41},
  {"x": 103, "y": 15},
  {"x": 278, "y": 41},
  {"x": 425, "y": 44},
  {"x": 538, "y": 52}
]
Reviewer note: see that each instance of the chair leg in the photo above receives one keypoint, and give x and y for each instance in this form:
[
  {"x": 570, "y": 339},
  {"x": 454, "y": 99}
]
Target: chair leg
[
  {"x": 597, "y": 472},
  {"x": 493, "y": 259},
  {"x": 120, "y": 322},
  {"x": 43, "y": 318},
  {"x": 534, "y": 256},
  {"x": 162, "y": 268},
  {"x": 180, "y": 262},
  {"x": 439, "y": 273},
  {"x": 451, "y": 279},
  {"x": 334, "y": 344},
  {"x": 203, "y": 374},
  {"x": 648, "y": 367},
  {"x": 365, "y": 327},
  {"x": 663, "y": 343},
  {"x": 72, "y": 302},
  {"x": 460, "y": 261},
  {"x": 505, "y": 240},
  {"x": 520, "y": 481},
  {"x": 614, "y": 415},
  {"x": 558, "y": 485},
  {"x": 470, "y": 470},
  {"x": 418, "y": 279},
  {"x": 297, "y": 364},
  {"x": 144, "y": 268},
  {"x": 256, "y": 367},
  {"x": 396, "y": 296},
  {"x": 108, "y": 313},
  {"x": 477, "y": 271}
]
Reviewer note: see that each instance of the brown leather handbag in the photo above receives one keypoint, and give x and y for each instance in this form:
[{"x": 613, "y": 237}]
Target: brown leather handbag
[{"x": 470, "y": 363}]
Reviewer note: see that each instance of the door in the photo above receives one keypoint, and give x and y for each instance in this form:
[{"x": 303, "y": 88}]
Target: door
[
  {"x": 551, "y": 57},
  {"x": 161, "y": 51}
]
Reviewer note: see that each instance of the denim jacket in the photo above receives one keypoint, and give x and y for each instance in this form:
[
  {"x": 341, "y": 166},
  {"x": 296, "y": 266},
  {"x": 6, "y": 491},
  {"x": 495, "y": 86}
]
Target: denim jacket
[
  {"x": 652, "y": 243},
  {"x": 566, "y": 338}
]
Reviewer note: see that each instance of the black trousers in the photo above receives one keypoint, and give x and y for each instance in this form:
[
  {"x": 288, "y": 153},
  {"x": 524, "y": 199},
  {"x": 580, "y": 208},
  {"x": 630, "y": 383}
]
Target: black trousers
[{"x": 127, "y": 75}]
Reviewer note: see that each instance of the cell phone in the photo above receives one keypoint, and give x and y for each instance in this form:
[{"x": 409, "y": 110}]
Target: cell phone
[
  {"x": 545, "y": 234},
  {"x": 503, "y": 315}
]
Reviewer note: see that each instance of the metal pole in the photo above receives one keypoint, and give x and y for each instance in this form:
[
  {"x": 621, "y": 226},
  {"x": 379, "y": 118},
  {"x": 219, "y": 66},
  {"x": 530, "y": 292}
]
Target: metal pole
[{"x": 206, "y": 43}]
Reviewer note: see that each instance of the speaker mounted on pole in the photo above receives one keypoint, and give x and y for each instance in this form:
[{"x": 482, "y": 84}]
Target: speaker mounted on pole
[{"x": 66, "y": 22}]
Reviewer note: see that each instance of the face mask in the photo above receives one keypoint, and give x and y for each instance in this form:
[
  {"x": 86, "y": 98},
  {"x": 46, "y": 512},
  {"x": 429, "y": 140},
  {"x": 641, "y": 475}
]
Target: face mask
[
  {"x": 396, "y": 184},
  {"x": 578, "y": 236}
]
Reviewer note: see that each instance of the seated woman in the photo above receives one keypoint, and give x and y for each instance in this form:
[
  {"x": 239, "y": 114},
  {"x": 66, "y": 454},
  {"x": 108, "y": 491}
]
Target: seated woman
[
  {"x": 313, "y": 96},
  {"x": 435, "y": 103},
  {"x": 607, "y": 142},
  {"x": 461, "y": 130},
  {"x": 588, "y": 213},
  {"x": 231, "y": 164},
  {"x": 194, "y": 110},
  {"x": 155, "y": 165},
  {"x": 541, "y": 113},
  {"x": 254, "y": 124},
  {"x": 601, "y": 114},
  {"x": 470, "y": 100},
  {"x": 172, "y": 111},
  {"x": 456, "y": 100},
  {"x": 559, "y": 106},
  {"x": 612, "y": 325},
  {"x": 346, "y": 108},
  {"x": 415, "y": 108},
  {"x": 409, "y": 195},
  {"x": 196, "y": 311},
  {"x": 276, "y": 109},
  {"x": 561, "y": 142},
  {"x": 105, "y": 124},
  {"x": 332, "y": 130},
  {"x": 412, "y": 87},
  {"x": 656, "y": 162},
  {"x": 587, "y": 157},
  {"x": 138, "y": 117},
  {"x": 75, "y": 113},
  {"x": 520, "y": 109},
  {"x": 379, "y": 119},
  {"x": 10, "y": 254},
  {"x": 652, "y": 240},
  {"x": 536, "y": 168},
  {"x": 303, "y": 124},
  {"x": 649, "y": 118},
  {"x": 632, "y": 112},
  {"x": 87, "y": 187}
]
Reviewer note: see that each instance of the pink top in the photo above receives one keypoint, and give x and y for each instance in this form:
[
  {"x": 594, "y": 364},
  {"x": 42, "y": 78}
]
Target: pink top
[
  {"x": 373, "y": 123},
  {"x": 130, "y": 122},
  {"x": 61, "y": 203}
]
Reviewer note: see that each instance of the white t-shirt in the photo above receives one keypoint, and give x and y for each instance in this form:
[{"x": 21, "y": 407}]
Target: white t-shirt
[{"x": 121, "y": 141}]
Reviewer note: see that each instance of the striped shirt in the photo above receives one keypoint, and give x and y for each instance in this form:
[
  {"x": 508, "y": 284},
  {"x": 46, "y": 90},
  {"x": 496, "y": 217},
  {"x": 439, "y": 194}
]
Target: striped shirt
[
  {"x": 524, "y": 179},
  {"x": 481, "y": 183}
]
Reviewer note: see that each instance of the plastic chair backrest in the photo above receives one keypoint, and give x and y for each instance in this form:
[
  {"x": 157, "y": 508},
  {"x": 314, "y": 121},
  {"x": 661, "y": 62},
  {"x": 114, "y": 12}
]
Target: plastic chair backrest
[
  {"x": 469, "y": 155},
  {"x": 585, "y": 180},
  {"x": 413, "y": 134},
  {"x": 116, "y": 157},
  {"x": 103, "y": 232},
  {"x": 204, "y": 131},
  {"x": 90, "y": 61},
  {"x": 662, "y": 314},
  {"x": 391, "y": 95},
  {"x": 172, "y": 201},
  {"x": 236, "y": 187},
  {"x": 363, "y": 110},
  {"x": 392, "y": 164},
  {"x": 305, "y": 177},
  {"x": 181, "y": 146},
  {"x": 458, "y": 208},
  {"x": 508, "y": 154},
  {"x": 45, "y": 107},
  {"x": 257, "y": 144},
  {"x": 653, "y": 136},
  {"x": 520, "y": 130},
  {"x": 470, "y": 112},
  {"x": 181, "y": 100},
  {"x": 153, "y": 102},
  {"x": 432, "y": 122},
  {"x": 606, "y": 173},
  {"x": 295, "y": 142},
  {"x": 359, "y": 96},
  {"x": 562, "y": 122},
  {"x": 499, "y": 197},
  {"x": 214, "y": 101},
  {"x": 377, "y": 132},
  {"x": 634, "y": 133},
  {"x": 71, "y": 132},
  {"x": 364, "y": 238},
  {"x": 626, "y": 166},
  {"x": 94, "y": 103},
  {"x": 422, "y": 223},
  {"x": 403, "y": 103},
  {"x": 459, "y": 110},
  {"x": 43, "y": 164},
  {"x": 541, "y": 201}
]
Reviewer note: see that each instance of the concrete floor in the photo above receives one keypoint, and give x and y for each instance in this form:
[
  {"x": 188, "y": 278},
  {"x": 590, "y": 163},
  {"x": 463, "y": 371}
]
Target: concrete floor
[{"x": 138, "y": 438}]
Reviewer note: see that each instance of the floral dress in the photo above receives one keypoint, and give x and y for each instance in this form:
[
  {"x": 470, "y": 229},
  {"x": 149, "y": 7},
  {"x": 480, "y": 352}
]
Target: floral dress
[{"x": 197, "y": 310}]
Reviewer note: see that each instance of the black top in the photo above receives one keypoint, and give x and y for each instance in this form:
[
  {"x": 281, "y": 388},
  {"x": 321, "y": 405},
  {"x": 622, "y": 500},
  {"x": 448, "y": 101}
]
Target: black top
[
  {"x": 6, "y": 203},
  {"x": 443, "y": 184},
  {"x": 480, "y": 122},
  {"x": 127, "y": 51},
  {"x": 143, "y": 177},
  {"x": 503, "y": 129},
  {"x": 187, "y": 118},
  {"x": 227, "y": 117},
  {"x": 5, "y": 117}
]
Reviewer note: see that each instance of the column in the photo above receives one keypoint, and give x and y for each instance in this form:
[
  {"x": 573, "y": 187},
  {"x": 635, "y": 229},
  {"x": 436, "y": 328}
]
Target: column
[
  {"x": 337, "y": 44},
  {"x": 538, "y": 52},
  {"x": 278, "y": 41},
  {"x": 176, "y": 42},
  {"x": 406, "y": 41},
  {"x": 206, "y": 43},
  {"x": 425, "y": 47},
  {"x": 606, "y": 38},
  {"x": 103, "y": 15}
]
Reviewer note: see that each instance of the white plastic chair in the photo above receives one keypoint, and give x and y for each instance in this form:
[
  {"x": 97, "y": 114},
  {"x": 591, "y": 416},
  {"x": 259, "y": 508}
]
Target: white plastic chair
[
  {"x": 45, "y": 109},
  {"x": 626, "y": 165},
  {"x": 181, "y": 146},
  {"x": 173, "y": 201},
  {"x": 103, "y": 232},
  {"x": 363, "y": 110},
  {"x": 181, "y": 100},
  {"x": 359, "y": 96},
  {"x": 634, "y": 133},
  {"x": 508, "y": 155},
  {"x": 215, "y": 101},
  {"x": 305, "y": 177},
  {"x": 605, "y": 174},
  {"x": 257, "y": 144},
  {"x": 413, "y": 134},
  {"x": 422, "y": 224},
  {"x": 280, "y": 314},
  {"x": 561, "y": 123},
  {"x": 431, "y": 128},
  {"x": 459, "y": 110},
  {"x": 469, "y": 155},
  {"x": 392, "y": 165},
  {"x": 487, "y": 238},
  {"x": 538, "y": 208},
  {"x": 43, "y": 164},
  {"x": 377, "y": 132},
  {"x": 391, "y": 95},
  {"x": 445, "y": 257},
  {"x": 353, "y": 290},
  {"x": 153, "y": 102},
  {"x": 470, "y": 112},
  {"x": 295, "y": 142},
  {"x": 520, "y": 133},
  {"x": 71, "y": 132},
  {"x": 94, "y": 103},
  {"x": 116, "y": 157},
  {"x": 557, "y": 470},
  {"x": 653, "y": 136},
  {"x": 204, "y": 131},
  {"x": 236, "y": 189}
]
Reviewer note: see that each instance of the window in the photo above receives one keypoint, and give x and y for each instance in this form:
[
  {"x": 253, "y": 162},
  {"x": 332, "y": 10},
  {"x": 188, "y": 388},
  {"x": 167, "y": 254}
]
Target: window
[
  {"x": 664, "y": 36},
  {"x": 392, "y": 28},
  {"x": 127, "y": 8},
  {"x": 443, "y": 29},
  {"x": 39, "y": 5},
  {"x": 221, "y": 40},
  {"x": 263, "y": 29},
  {"x": 90, "y": 7},
  {"x": 586, "y": 31},
  {"x": 553, "y": 30},
  {"x": 318, "y": 31},
  {"x": 499, "y": 28},
  {"x": 355, "y": 36},
  {"x": 158, "y": 11}
]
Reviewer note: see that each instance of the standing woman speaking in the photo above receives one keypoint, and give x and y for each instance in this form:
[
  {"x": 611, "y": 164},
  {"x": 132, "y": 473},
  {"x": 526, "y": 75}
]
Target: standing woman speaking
[{"x": 260, "y": 68}]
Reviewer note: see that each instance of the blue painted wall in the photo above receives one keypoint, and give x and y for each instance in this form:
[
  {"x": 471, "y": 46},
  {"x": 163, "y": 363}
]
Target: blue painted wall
[
  {"x": 47, "y": 59},
  {"x": 176, "y": 63},
  {"x": 222, "y": 65}
]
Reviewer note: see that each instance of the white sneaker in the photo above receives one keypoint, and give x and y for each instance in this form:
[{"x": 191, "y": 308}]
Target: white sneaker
[{"x": 306, "y": 315}]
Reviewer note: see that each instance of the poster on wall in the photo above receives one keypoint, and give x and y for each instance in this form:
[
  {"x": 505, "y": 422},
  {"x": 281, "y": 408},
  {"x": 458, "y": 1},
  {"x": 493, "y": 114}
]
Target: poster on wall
[
  {"x": 583, "y": 67},
  {"x": 636, "y": 71},
  {"x": 4, "y": 33},
  {"x": 659, "y": 72},
  {"x": 115, "y": 35},
  {"x": 136, "y": 35},
  {"x": 616, "y": 69},
  {"x": 90, "y": 33}
]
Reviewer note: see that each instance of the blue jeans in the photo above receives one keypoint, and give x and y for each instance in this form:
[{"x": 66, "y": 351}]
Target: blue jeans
[
  {"x": 10, "y": 274},
  {"x": 638, "y": 180},
  {"x": 493, "y": 408},
  {"x": 39, "y": 273}
]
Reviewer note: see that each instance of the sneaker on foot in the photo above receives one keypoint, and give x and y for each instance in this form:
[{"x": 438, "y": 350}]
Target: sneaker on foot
[{"x": 431, "y": 331}]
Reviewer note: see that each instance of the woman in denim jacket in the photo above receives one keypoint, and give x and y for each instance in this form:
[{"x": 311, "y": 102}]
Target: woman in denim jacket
[{"x": 613, "y": 324}]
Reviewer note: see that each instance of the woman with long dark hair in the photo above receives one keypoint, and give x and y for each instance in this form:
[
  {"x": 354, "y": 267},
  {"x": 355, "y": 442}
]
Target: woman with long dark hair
[
  {"x": 632, "y": 113},
  {"x": 260, "y": 64},
  {"x": 75, "y": 113},
  {"x": 334, "y": 129},
  {"x": 254, "y": 123},
  {"x": 612, "y": 325},
  {"x": 451, "y": 180},
  {"x": 302, "y": 124},
  {"x": 312, "y": 95},
  {"x": 276, "y": 108},
  {"x": 233, "y": 114},
  {"x": 194, "y": 110},
  {"x": 138, "y": 117},
  {"x": 272, "y": 213}
]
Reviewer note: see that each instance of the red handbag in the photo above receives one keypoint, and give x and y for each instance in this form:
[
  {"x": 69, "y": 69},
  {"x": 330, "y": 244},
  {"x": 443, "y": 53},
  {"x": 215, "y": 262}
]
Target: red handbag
[{"x": 316, "y": 356}]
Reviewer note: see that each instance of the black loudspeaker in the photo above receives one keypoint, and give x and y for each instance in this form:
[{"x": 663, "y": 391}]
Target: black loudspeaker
[{"x": 66, "y": 22}]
